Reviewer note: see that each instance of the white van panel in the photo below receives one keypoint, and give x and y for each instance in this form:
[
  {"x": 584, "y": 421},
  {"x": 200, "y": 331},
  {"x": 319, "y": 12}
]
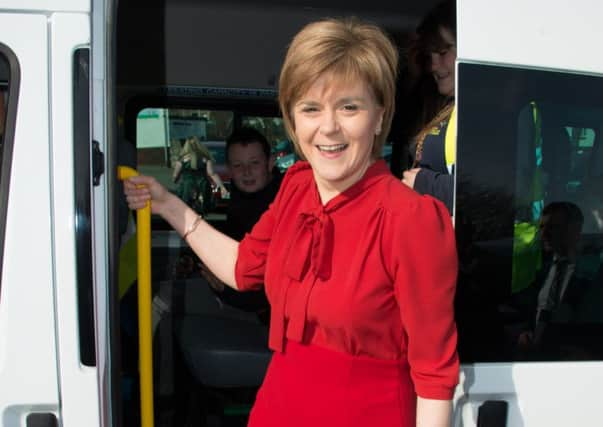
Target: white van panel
[
  {"x": 42, "y": 5},
  {"x": 539, "y": 394},
  {"x": 28, "y": 365},
  {"x": 68, "y": 32},
  {"x": 555, "y": 34}
]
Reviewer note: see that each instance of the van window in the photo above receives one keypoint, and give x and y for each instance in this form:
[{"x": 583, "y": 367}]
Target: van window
[
  {"x": 9, "y": 86},
  {"x": 529, "y": 215},
  {"x": 273, "y": 128},
  {"x": 83, "y": 204},
  {"x": 166, "y": 134}
]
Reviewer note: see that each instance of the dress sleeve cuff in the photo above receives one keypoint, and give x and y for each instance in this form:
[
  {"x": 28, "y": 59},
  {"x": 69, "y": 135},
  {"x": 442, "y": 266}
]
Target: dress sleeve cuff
[
  {"x": 430, "y": 391},
  {"x": 249, "y": 270}
]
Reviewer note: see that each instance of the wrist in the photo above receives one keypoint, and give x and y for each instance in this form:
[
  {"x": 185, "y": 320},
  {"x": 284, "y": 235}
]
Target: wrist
[
  {"x": 192, "y": 227},
  {"x": 164, "y": 207}
]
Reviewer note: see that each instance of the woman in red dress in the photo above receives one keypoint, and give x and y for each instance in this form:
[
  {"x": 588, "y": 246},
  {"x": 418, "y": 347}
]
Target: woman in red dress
[{"x": 359, "y": 269}]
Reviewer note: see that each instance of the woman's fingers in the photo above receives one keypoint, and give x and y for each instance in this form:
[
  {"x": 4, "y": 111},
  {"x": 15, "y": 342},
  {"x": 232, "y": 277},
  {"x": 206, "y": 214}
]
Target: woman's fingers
[
  {"x": 141, "y": 189},
  {"x": 137, "y": 191}
]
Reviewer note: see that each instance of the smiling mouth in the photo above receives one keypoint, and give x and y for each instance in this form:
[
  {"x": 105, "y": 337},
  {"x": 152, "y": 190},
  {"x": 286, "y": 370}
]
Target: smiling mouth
[{"x": 332, "y": 148}]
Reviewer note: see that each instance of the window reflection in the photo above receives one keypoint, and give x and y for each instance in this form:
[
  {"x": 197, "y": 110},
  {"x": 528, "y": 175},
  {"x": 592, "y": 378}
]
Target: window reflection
[{"x": 529, "y": 215}]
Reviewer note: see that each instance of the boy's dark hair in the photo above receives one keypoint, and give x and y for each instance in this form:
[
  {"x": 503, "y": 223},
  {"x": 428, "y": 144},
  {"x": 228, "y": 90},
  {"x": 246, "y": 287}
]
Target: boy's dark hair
[{"x": 247, "y": 135}]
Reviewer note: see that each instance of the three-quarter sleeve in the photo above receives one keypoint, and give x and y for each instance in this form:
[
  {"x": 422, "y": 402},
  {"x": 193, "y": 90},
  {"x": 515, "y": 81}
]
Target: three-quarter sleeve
[
  {"x": 253, "y": 251},
  {"x": 425, "y": 281}
]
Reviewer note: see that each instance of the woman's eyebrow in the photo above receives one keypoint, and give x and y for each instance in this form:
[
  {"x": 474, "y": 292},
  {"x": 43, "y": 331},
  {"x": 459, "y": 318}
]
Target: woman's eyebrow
[
  {"x": 351, "y": 99},
  {"x": 306, "y": 102}
]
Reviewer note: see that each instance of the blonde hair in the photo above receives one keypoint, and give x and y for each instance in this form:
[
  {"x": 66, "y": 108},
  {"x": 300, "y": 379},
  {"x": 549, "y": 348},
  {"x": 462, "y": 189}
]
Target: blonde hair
[
  {"x": 196, "y": 151},
  {"x": 347, "y": 49}
]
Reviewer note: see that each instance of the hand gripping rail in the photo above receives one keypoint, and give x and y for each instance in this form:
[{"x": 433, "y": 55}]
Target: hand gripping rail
[{"x": 145, "y": 336}]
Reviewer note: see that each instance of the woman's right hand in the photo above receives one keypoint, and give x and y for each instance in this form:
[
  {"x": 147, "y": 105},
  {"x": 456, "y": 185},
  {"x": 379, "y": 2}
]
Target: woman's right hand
[{"x": 141, "y": 189}]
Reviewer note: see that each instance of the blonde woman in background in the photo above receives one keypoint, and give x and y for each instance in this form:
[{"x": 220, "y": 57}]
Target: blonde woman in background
[{"x": 193, "y": 169}]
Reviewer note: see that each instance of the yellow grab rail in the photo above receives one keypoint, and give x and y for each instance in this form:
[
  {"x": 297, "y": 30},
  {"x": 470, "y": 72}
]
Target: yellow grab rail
[{"x": 145, "y": 334}]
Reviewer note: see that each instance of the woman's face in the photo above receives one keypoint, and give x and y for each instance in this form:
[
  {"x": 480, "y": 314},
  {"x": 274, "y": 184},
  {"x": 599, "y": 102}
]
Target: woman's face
[
  {"x": 335, "y": 126},
  {"x": 442, "y": 64}
]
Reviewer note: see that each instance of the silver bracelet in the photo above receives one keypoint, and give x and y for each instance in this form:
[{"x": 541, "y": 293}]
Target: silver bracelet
[{"x": 192, "y": 227}]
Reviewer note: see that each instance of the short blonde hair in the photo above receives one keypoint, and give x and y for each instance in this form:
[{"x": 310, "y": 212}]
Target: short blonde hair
[{"x": 347, "y": 49}]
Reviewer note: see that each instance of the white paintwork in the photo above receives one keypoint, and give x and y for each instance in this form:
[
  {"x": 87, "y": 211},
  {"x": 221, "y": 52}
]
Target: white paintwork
[
  {"x": 539, "y": 394},
  {"x": 559, "y": 34},
  {"x": 28, "y": 364},
  {"x": 46, "y": 5},
  {"x": 68, "y": 32},
  {"x": 100, "y": 207}
]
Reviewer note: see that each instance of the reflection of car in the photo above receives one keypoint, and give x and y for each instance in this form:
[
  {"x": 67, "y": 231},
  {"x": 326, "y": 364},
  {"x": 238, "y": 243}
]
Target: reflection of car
[
  {"x": 218, "y": 152},
  {"x": 284, "y": 154}
]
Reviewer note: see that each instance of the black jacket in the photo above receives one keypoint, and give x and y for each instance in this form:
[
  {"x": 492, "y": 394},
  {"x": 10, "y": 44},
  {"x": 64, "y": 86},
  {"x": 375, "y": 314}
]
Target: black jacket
[{"x": 434, "y": 178}]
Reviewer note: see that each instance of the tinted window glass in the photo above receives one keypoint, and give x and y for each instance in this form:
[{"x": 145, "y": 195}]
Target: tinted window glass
[
  {"x": 9, "y": 85},
  {"x": 81, "y": 153},
  {"x": 274, "y": 130},
  {"x": 529, "y": 215}
]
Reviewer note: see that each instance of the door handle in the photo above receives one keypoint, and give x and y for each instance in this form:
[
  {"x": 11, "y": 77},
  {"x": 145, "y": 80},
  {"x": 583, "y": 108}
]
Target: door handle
[
  {"x": 42, "y": 420},
  {"x": 492, "y": 413}
]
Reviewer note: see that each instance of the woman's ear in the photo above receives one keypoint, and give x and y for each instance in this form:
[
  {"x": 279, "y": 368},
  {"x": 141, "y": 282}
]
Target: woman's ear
[{"x": 378, "y": 128}]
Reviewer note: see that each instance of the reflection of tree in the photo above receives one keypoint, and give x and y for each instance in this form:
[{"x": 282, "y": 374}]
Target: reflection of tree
[
  {"x": 489, "y": 211},
  {"x": 483, "y": 214},
  {"x": 271, "y": 127},
  {"x": 219, "y": 125}
]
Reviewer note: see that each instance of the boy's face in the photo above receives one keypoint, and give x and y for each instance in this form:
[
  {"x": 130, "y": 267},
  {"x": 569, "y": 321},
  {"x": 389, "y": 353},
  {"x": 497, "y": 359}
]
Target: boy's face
[{"x": 250, "y": 170}]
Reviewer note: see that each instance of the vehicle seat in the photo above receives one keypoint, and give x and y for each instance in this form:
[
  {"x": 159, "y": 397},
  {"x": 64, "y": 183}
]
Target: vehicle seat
[
  {"x": 223, "y": 352},
  {"x": 223, "y": 347}
]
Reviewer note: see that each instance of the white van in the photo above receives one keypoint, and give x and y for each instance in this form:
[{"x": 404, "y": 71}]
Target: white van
[{"x": 80, "y": 83}]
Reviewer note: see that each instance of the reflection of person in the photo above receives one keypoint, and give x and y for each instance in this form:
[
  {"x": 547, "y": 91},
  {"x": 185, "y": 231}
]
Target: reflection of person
[
  {"x": 433, "y": 166},
  {"x": 192, "y": 171},
  {"x": 255, "y": 183},
  {"x": 360, "y": 271},
  {"x": 557, "y": 290}
]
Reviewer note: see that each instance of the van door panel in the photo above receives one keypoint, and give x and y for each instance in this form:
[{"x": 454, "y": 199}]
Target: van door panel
[{"x": 28, "y": 364}]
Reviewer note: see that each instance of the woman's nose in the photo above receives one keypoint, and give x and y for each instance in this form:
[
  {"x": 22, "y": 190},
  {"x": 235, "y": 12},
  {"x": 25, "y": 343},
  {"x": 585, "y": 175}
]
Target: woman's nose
[{"x": 329, "y": 122}]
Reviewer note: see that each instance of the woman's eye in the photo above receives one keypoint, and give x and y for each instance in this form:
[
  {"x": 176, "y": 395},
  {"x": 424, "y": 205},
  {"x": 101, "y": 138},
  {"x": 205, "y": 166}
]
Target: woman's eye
[
  {"x": 309, "y": 109},
  {"x": 350, "y": 107}
]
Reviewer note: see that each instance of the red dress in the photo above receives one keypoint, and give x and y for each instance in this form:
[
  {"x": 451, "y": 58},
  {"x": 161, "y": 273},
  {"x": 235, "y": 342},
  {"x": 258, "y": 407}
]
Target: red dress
[{"x": 361, "y": 292}]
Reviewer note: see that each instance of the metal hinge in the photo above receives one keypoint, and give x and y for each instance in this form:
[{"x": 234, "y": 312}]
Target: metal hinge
[{"x": 98, "y": 163}]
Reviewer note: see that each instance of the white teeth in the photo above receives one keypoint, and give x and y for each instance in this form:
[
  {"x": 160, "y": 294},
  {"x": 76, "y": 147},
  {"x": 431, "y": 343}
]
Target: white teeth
[{"x": 332, "y": 148}]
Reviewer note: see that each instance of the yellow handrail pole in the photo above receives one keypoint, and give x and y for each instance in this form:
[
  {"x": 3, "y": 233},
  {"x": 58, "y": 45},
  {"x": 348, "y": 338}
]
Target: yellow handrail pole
[{"x": 145, "y": 334}]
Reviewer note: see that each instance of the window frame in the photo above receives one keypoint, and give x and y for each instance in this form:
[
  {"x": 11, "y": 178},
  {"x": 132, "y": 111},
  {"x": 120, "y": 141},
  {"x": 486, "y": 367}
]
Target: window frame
[{"x": 8, "y": 141}]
